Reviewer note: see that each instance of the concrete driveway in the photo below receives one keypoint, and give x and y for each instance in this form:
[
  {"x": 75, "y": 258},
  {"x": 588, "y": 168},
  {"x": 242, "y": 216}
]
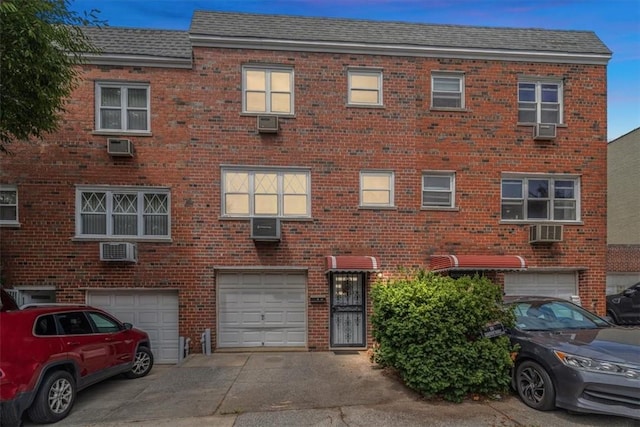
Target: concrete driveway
[{"x": 292, "y": 389}]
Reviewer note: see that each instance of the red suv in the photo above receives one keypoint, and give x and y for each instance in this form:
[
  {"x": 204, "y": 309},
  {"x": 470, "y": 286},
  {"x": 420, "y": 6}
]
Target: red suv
[{"x": 49, "y": 353}]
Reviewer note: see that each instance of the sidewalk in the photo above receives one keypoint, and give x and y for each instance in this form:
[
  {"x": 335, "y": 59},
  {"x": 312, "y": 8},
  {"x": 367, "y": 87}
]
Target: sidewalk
[{"x": 292, "y": 389}]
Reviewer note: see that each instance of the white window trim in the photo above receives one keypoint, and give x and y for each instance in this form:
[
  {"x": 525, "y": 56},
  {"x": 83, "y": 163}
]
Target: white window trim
[
  {"x": 123, "y": 86},
  {"x": 385, "y": 173},
  {"x": 365, "y": 72},
  {"x": 538, "y": 81},
  {"x": 251, "y": 192},
  {"x": 16, "y": 221},
  {"x": 268, "y": 69},
  {"x": 449, "y": 74},
  {"x": 452, "y": 189},
  {"x": 140, "y": 191},
  {"x": 551, "y": 177}
]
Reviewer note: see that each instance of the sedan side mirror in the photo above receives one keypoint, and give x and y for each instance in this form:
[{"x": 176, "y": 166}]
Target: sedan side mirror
[
  {"x": 629, "y": 292},
  {"x": 127, "y": 325}
]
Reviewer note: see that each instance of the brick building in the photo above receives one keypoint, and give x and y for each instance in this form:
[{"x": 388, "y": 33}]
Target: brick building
[
  {"x": 623, "y": 207},
  {"x": 256, "y": 174}
]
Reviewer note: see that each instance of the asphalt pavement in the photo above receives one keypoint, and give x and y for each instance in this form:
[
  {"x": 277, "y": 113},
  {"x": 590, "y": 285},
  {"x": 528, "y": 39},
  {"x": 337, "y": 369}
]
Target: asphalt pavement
[{"x": 294, "y": 389}]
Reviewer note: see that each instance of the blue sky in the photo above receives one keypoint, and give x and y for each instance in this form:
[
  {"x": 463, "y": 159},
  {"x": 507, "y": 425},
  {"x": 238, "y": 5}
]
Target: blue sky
[{"x": 616, "y": 22}]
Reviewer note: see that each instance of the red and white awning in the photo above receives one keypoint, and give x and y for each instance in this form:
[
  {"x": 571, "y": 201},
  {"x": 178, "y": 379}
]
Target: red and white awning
[
  {"x": 477, "y": 262},
  {"x": 352, "y": 263}
]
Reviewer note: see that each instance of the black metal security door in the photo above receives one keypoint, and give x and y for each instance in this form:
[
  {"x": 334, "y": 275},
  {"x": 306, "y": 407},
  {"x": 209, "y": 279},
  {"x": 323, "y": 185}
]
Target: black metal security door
[{"x": 348, "y": 315}]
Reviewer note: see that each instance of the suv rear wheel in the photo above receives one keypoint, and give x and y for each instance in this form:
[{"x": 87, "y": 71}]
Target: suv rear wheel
[
  {"x": 54, "y": 399},
  {"x": 142, "y": 363}
]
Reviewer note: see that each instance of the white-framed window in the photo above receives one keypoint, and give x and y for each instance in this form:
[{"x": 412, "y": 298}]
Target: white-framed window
[
  {"x": 124, "y": 212},
  {"x": 540, "y": 198},
  {"x": 123, "y": 107},
  {"x": 8, "y": 205},
  {"x": 365, "y": 87},
  {"x": 266, "y": 192},
  {"x": 438, "y": 189},
  {"x": 539, "y": 101},
  {"x": 376, "y": 189},
  {"x": 447, "y": 90},
  {"x": 267, "y": 90}
]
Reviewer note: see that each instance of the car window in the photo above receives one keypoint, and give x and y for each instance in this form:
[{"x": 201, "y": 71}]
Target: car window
[
  {"x": 554, "y": 315},
  {"x": 103, "y": 323},
  {"x": 74, "y": 323},
  {"x": 44, "y": 326}
]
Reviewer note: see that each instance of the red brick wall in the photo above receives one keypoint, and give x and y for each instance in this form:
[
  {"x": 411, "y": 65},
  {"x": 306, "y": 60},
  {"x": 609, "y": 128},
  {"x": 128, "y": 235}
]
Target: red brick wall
[
  {"x": 197, "y": 125},
  {"x": 623, "y": 258}
]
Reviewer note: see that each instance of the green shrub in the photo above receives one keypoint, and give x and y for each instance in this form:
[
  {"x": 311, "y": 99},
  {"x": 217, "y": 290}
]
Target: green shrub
[{"x": 429, "y": 328}]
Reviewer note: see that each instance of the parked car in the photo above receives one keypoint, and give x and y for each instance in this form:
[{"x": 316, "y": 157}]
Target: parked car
[
  {"x": 624, "y": 308},
  {"x": 572, "y": 359},
  {"x": 50, "y": 353}
]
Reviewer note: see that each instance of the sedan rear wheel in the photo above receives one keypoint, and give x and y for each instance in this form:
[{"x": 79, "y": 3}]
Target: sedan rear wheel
[{"x": 535, "y": 386}]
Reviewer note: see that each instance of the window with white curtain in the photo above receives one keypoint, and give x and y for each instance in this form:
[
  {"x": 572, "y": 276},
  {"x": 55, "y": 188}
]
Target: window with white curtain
[
  {"x": 123, "y": 212},
  {"x": 122, "y": 107},
  {"x": 8, "y": 205},
  {"x": 267, "y": 90},
  {"x": 376, "y": 189}
]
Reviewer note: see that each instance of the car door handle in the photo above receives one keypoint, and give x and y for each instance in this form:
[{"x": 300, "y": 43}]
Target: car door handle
[
  {"x": 108, "y": 339},
  {"x": 73, "y": 343}
]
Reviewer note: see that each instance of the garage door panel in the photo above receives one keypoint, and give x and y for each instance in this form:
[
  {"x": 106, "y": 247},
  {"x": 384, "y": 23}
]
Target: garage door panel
[
  {"x": 560, "y": 285},
  {"x": 155, "y": 312},
  {"x": 121, "y": 300},
  {"x": 267, "y": 309}
]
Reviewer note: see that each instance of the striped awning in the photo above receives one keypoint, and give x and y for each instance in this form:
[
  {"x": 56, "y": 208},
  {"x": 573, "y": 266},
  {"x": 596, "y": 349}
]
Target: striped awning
[
  {"x": 477, "y": 262},
  {"x": 352, "y": 263}
]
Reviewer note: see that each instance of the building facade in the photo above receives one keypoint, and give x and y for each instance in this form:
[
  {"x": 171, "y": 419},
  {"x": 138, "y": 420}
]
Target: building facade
[
  {"x": 256, "y": 175},
  {"x": 623, "y": 212}
]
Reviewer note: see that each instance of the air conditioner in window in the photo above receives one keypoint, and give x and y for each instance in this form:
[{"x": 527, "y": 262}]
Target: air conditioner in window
[
  {"x": 119, "y": 147},
  {"x": 267, "y": 124},
  {"x": 545, "y": 233},
  {"x": 544, "y": 131},
  {"x": 265, "y": 229},
  {"x": 118, "y": 251}
]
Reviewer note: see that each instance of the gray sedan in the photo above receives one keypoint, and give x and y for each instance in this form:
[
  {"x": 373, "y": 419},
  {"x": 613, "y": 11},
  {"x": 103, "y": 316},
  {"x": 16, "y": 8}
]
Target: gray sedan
[{"x": 573, "y": 359}]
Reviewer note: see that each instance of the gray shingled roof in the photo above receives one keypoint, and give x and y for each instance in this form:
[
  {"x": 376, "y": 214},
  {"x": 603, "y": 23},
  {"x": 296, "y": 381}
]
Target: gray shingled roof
[
  {"x": 140, "y": 42},
  {"x": 333, "y": 30}
]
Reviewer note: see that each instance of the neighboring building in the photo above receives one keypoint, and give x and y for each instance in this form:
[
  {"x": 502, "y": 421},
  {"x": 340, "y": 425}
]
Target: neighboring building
[
  {"x": 623, "y": 206},
  {"x": 377, "y": 147}
]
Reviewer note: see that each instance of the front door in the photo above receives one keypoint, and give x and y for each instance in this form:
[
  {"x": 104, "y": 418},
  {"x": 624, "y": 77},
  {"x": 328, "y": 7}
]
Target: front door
[{"x": 348, "y": 311}]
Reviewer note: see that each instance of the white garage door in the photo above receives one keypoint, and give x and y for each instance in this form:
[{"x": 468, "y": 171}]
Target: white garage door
[
  {"x": 155, "y": 312},
  {"x": 562, "y": 285},
  {"x": 261, "y": 309}
]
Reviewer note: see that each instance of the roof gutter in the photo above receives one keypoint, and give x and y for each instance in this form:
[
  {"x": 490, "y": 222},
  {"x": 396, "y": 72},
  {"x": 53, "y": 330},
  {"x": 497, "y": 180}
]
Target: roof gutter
[{"x": 203, "y": 40}]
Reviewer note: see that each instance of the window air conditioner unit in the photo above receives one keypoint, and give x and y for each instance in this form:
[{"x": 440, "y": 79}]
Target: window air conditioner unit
[
  {"x": 118, "y": 251},
  {"x": 265, "y": 229},
  {"x": 545, "y": 233},
  {"x": 268, "y": 124},
  {"x": 119, "y": 147},
  {"x": 544, "y": 131}
]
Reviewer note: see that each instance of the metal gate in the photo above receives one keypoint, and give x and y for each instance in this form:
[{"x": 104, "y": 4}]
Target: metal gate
[{"x": 348, "y": 311}]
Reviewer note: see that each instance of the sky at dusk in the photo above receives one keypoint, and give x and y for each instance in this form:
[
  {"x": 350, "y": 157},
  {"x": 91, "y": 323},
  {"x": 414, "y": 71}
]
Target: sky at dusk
[{"x": 616, "y": 22}]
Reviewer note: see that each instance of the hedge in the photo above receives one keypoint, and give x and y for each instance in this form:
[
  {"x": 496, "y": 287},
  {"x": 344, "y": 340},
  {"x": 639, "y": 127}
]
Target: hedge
[{"x": 429, "y": 328}]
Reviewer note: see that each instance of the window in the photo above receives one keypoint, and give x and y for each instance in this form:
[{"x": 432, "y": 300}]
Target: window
[
  {"x": 103, "y": 324},
  {"x": 438, "y": 190},
  {"x": 266, "y": 192},
  {"x": 123, "y": 212},
  {"x": 267, "y": 90},
  {"x": 365, "y": 87},
  {"x": 8, "y": 205},
  {"x": 376, "y": 189},
  {"x": 447, "y": 90},
  {"x": 122, "y": 107},
  {"x": 533, "y": 198},
  {"x": 539, "y": 102},
  {"x": 74, "y": 323}
]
